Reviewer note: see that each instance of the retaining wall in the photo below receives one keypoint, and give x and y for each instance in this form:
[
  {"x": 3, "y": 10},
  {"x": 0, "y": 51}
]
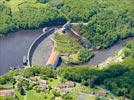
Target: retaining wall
[{"x": 35, "y": 44}]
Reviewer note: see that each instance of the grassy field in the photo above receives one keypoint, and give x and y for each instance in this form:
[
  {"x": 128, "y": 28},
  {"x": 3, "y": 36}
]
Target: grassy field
[
  {"x": 33, "y": 95},
  {"x": 6, "y": 98},
  {"x": 19, "y": 95},
  {"x": 68, "y": 45},
  {"x": 88, "y": 97}
]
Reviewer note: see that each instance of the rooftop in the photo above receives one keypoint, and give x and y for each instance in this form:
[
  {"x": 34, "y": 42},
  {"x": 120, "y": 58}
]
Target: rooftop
[{"x": 53, "y": 58}]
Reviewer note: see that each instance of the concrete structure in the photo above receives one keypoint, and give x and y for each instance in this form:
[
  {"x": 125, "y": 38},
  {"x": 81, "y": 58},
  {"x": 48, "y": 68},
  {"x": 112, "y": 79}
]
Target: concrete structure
[
  {"x": 36, "y": 43},
  {"x": 66, "y": 26},
  {"x": 53, "y": 59}
]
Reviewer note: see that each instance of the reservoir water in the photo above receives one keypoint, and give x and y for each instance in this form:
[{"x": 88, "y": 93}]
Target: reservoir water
[{"x": 14, "y": 46}]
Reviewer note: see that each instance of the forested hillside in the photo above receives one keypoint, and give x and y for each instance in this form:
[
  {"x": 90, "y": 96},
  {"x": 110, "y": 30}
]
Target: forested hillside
[
  {"x": 111, "y": 21},
  {"x": 25, "y": 14},
  {"x": 107, "y": 20},
  {"x": 117, "y": 78}
]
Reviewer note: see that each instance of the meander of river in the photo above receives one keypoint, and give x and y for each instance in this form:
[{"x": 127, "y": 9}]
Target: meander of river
[
  {"x": 102, "y": 55},
  {"x": 15, "y": 45}
]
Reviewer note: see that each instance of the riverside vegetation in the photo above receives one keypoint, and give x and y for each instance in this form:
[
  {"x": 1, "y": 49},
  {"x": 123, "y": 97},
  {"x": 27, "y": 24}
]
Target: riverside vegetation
[
  {"x": 71, "y": 49},
  {"x": 117, "y": 78},
  {"x": 108, "y": 21}
]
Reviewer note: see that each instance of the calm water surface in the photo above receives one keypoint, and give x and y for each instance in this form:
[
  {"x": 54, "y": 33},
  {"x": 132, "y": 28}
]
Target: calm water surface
[
  {"x": 102, "y": 55},
  {"x": 14, "y": 46}
]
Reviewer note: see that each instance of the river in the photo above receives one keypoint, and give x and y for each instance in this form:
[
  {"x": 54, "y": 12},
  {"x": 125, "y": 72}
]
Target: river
[
  {"x": 102, "y": 55},
  {"x": 14, "y": 46}
]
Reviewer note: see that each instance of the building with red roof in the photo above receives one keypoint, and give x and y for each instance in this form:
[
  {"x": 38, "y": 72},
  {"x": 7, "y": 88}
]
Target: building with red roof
[{"x": 53, "y": 59}]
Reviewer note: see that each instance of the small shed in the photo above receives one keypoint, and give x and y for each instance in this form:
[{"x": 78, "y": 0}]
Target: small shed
[{"x": 53, "y": 59}]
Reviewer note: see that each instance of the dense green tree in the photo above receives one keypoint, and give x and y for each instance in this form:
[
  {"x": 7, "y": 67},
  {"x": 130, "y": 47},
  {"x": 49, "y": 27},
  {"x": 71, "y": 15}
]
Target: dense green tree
[
  {"x": 108, "y": 21},
  {"x": 36, "y": 71},
  {"x": 42, "y": 1},
  {"x": 117, "y": 78}
]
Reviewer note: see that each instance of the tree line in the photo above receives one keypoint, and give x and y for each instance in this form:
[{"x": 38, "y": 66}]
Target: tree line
[
  {"x": 29, "y": 16},
  {"x": 108, "y": 21},
  {"x": 117, "y": 78}
]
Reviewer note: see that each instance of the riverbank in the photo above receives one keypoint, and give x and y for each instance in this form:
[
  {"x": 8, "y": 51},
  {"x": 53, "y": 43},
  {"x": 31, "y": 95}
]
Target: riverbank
[
  {"x": 19, "y": 42},
  {"x": 103, "y": 54}
]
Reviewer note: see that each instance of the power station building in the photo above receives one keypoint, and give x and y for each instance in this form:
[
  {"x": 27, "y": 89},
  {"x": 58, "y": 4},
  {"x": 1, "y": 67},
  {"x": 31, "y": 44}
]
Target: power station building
[{"x": 53, "y": 59}]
